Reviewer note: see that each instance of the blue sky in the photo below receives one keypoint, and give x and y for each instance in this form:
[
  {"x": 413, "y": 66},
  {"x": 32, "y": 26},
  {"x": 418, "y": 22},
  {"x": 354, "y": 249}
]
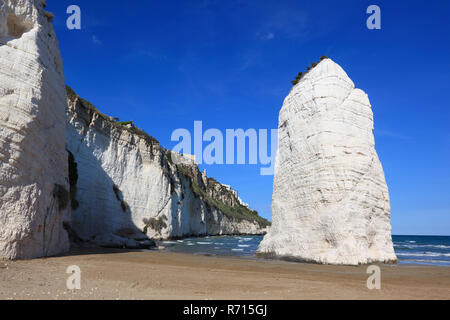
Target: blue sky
[{"x": 165, "y": 64}]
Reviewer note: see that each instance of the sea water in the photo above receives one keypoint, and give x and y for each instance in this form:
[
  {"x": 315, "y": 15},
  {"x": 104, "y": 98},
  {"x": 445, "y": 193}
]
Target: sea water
[{"x": 427, "y": 250}]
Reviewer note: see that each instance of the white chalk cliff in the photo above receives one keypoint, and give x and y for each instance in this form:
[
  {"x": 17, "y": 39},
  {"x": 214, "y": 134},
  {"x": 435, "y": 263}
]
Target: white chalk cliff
[
  {"x": 330, "y": 198},
  {"x": 33, "y": 160},
  {"x": 125, "y": 187},
  {"x": 70, "y": 173}
]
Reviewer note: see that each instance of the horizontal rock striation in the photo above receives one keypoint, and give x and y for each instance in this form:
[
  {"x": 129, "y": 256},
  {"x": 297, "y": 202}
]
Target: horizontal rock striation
[
  {"x": 33, "y": 160},
  {"x": 125, "y": 187},
  {"x": 330, "y": 198}
]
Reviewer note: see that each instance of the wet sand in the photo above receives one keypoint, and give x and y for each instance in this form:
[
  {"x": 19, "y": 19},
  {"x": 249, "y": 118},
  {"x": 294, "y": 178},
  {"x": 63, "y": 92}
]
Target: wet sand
[{"x": 114, "y": 274}]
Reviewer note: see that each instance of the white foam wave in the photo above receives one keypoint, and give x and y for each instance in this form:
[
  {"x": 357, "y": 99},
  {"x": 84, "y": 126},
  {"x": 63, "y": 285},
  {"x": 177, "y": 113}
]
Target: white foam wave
[
  {"x": 426, "y": 261},
  {"x": 412, "y": 246},
  {"x": 423, "y": 254}
]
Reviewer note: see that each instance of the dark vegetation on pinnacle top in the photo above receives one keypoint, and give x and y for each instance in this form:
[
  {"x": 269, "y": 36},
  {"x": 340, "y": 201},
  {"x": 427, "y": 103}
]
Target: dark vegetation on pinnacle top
[
  {"x": 49, "y": 15},
  {"x": 300, "y": 75}
]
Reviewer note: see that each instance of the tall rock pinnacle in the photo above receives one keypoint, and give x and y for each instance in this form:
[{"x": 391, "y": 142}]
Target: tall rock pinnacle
[
  {"x": 330, "y": 198},
  {"x": 33, "y": 161}
]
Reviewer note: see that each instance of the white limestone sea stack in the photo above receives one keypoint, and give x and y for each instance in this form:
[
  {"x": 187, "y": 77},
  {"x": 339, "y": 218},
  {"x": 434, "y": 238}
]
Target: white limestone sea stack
[
  {"x": 33, "y": 160},
  {"x": 330, "y": 198}
]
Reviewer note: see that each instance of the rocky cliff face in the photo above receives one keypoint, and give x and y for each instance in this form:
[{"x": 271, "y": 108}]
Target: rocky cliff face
[
  {"x": 330, "y": 199},
  {"x": 33, "y": 159},
  {"x": 125, "y": 186}
]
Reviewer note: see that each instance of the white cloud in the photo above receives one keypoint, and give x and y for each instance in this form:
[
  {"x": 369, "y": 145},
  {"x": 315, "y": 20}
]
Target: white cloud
[
  {"x": 270, "y": 36},
  {"x": 390, "y": 134},
  {"x": 266, "y": 36},
  {"x": 96, "y": 40}
]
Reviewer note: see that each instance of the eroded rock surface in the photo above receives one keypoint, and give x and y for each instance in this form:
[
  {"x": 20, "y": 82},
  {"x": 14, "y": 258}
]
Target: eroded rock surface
[
  {"x": 330, "y": 198},
  {"x": 33, "y": 160},
  {"x": 125, "y": 185}
]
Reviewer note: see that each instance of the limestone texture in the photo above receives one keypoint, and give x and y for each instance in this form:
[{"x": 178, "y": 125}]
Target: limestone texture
[
  {"x": 125, "y": 186},
  {"x": 33, "y": 159},
  {"x": 330, "y": 198}
]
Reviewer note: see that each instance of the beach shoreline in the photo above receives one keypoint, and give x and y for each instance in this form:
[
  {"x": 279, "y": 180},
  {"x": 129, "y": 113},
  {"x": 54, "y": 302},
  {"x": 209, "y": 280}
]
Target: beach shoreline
[{"x": 118, "y": 274}]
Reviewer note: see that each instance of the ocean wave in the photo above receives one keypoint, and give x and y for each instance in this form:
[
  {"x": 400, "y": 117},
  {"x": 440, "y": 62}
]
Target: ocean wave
[
  {"x": 403, "y": 247},
  {"x": 440, "y": 246},
  {"x": 430, "y": 252},
  {"x": 423, "y": 254},
  {"x": 426, "y": 261},
  {"x": 414, "y": 246}
]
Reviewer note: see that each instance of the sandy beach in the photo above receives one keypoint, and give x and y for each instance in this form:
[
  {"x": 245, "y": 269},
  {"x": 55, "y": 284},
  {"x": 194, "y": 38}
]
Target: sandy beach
[{"x": 115, "y": 274}]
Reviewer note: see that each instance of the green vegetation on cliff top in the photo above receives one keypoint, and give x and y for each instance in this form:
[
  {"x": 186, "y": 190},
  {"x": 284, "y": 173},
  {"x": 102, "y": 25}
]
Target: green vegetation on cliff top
[
  {"x": 238, "y": 212},
  {"x": 71, "y": 94}
]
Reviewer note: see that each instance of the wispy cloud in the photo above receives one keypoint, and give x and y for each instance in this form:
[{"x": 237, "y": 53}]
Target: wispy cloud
[
  {"x": 142, "y": 53},
  {"x": 265, "y": 36},
  {"x": 390, "y": 134},
  {"x": 287, "y": 21},
  {"x": 149, "y": 53},
  {"x": 249, "y": 59},
  {"x": 96, "y": 40}
]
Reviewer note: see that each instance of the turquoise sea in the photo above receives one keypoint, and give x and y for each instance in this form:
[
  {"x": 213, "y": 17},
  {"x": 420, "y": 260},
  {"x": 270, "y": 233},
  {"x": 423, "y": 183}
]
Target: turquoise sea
[{"x": 426, "y": 250}]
